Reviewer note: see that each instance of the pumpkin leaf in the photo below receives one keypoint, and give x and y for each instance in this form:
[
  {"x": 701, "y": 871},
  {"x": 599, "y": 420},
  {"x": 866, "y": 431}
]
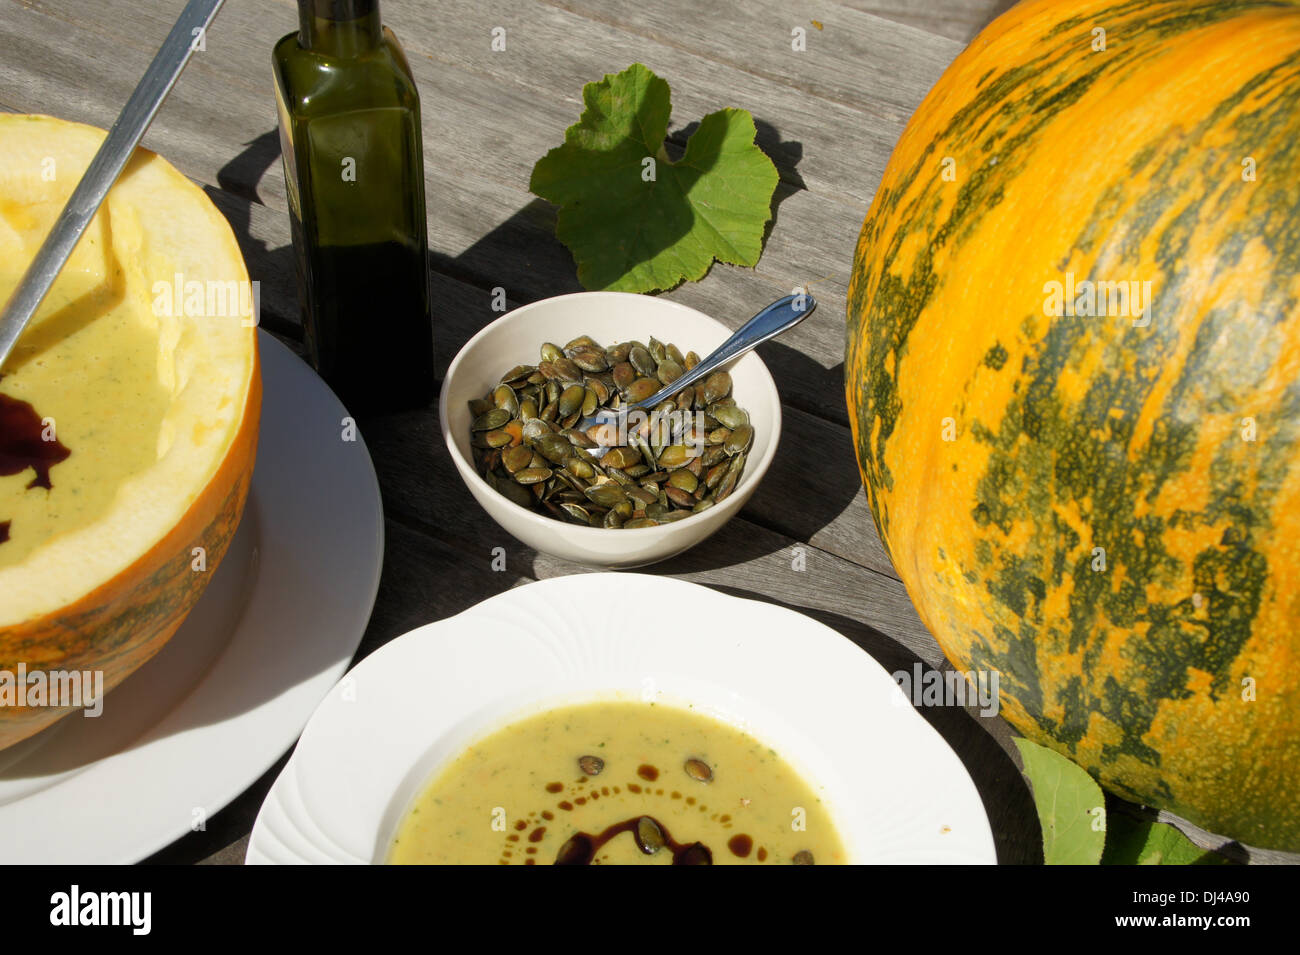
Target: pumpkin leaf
[
  {"x": 636, "y": 221},
  {"x": 1132, "y": 841},
  {"x": 1071, "y": 808}
]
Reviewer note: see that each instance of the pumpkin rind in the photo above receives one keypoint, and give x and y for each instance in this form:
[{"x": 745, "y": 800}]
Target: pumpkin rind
[{"x": 1080, "y": 502}]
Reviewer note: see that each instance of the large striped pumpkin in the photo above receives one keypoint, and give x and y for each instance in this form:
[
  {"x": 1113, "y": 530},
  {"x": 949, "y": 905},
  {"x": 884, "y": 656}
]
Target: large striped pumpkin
[{"x": 1103, "y": 506}]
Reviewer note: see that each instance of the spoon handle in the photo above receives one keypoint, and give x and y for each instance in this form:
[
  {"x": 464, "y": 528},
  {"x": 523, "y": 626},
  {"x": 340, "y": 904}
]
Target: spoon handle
[
  {"x": 104, "y": 169},
  {"x": 777, "y": 318}
]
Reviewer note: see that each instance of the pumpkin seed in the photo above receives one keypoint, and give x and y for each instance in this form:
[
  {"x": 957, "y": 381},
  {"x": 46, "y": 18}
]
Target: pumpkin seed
[
  {"x": 579, "y": 513},
  {"x": 699, "y": 770},
  {"x": 517, "y": 374},
  {"x": 567, "y": 369},
  {"x": 695, "y": 854},
  {"x": 554, "y": 447},
  {"x": 589, "y": 359},
  {"x": 669, "y": 371},
  {"x": 729, "y": 415},
  {"x": 715, "y": 387},
  {"x": 606, "y": 495},
  {"x": 684, "y": 480},
  {"x": 641, "y": 389},
  {"x": 532, "y": 475},
  {"x": 649, "y": 837},
  {"x": 516, "y": 493},
  {"x": 624, "y": 374},
  {"x": 679, "y": 497},
  {"x": 516, "y": 458},
  {"x": 490, "y": 420},
  {"x": 674, "y": 456},
  {"x": 591, "y": 765},
  {"x": 739, "y": 440},
  {"x": 621, "y": 457},
  {"x": 642, "y": 361}
]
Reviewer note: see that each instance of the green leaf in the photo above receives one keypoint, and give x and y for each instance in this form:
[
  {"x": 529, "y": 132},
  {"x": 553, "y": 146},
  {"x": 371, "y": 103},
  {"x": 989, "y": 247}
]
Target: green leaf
[
  {"x": 1070, "y": 805},
  {"x": 634, "y": 235},
  {"x": 1132, "y": 841}
]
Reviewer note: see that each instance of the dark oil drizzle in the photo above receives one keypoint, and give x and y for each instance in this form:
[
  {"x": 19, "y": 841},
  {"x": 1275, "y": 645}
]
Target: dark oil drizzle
[
  {"x": 21, "y": 444},
  {"x": 582, "y": 847},
  {"x": 22, "y": 447},
  {"x": 741, "y": 846}
]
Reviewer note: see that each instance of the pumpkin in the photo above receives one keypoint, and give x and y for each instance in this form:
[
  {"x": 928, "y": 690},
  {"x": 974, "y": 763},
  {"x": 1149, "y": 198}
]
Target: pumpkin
[
  {"x": 128, "y": 418},
  {"x": 1093, "y": 488}
]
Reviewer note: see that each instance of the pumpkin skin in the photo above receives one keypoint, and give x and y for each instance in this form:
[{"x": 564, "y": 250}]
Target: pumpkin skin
[{"x": 1104, "y": 509}]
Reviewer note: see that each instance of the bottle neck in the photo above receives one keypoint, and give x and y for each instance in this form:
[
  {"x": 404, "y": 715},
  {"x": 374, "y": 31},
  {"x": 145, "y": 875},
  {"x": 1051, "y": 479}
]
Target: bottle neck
[{"x": 342, "y": 28}]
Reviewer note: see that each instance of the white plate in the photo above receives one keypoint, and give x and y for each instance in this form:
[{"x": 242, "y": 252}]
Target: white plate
[
  {"x": 196, "y": 725},
  {"x": 897, "y": 791}
]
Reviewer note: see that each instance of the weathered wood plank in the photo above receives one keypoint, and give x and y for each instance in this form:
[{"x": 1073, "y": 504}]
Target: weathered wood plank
[
  {"x": 504, "y": 121},
  {"x": 828, "y": 50},
  {"x": 957, "y": 20}
]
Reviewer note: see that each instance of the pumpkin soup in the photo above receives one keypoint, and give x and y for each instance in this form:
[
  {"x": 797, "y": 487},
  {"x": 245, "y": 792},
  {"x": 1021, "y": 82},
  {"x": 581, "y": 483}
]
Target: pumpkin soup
[{"x": 617, "y": 782}]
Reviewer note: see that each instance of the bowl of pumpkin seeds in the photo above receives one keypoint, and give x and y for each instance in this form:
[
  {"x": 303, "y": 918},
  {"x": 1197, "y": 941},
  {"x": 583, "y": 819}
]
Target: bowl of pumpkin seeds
[{"x": 535, "y": 413}]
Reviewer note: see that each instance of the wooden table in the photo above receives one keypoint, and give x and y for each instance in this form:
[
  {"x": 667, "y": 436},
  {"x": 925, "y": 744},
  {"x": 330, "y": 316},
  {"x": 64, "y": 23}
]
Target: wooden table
[{"x": 828, "y": 117}]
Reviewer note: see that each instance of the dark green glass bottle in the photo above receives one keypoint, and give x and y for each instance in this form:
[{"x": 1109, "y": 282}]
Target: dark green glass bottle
[{"x": 354, "y": 172}]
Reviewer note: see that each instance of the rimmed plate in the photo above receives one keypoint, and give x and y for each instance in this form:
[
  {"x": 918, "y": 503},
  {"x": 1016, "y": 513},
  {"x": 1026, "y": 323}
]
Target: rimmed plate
[
  {"x": 227, "y": 695},
  {"x": 895, "y": 788}
]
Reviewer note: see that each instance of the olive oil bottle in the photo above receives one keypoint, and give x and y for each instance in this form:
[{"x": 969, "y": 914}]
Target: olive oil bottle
[{"x": 354, "y": 172}]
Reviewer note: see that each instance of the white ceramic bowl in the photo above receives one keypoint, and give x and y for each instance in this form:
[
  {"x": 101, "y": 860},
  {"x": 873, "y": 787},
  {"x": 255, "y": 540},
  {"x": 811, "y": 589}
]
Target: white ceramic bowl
[
  {"x": 608, "y": 317},
  {"x": 897, "y": 792}
]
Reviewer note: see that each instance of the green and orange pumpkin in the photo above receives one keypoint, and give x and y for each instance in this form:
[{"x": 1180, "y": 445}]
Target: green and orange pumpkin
[{"x": 1101, "y": 501}]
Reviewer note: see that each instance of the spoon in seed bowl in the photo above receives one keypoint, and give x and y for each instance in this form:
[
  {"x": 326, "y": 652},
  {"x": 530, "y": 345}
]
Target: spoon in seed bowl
[{"x": 776, "y": 319}]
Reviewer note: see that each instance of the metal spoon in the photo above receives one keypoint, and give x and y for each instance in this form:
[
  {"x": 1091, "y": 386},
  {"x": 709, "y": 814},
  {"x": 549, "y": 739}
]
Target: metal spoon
[
  {"x": 779, "y": 317},
  {"x": 104, "y": 169}
]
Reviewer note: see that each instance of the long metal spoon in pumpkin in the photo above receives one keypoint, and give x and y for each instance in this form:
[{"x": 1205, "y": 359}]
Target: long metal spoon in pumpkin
[{"x": 104, "y": 169}]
